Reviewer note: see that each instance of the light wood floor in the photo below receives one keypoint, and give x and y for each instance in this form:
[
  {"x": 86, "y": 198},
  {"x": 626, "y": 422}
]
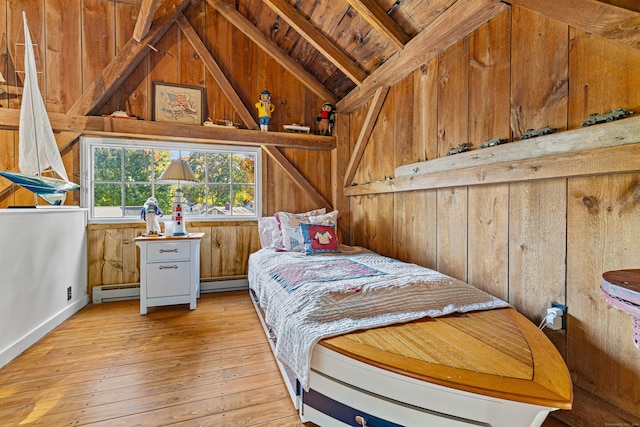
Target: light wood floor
[{"x": 110, "y": 366}]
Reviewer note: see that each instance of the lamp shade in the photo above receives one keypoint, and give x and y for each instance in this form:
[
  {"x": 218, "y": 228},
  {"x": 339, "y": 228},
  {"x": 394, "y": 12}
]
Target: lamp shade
[{"x": 178, "y": 170}]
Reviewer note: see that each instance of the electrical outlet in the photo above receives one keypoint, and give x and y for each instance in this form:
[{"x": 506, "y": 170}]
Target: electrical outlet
[
  {"x": 69, "y": 293},
  {"x": 564, "y": 313}
]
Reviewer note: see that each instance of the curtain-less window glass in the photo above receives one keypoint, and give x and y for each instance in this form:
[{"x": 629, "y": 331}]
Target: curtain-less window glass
[{"x": 120, "y": 175}]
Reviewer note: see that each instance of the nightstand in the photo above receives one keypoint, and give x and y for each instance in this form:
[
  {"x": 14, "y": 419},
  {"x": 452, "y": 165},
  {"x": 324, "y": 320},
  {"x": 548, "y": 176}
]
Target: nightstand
[{"x": 169, "y": 270}]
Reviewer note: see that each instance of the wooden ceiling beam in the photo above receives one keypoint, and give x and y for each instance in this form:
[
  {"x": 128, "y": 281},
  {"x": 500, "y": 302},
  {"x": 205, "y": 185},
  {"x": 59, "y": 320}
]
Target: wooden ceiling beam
[
  {"x": 455, "y": 23},
  {"x": 318, "y": 40},
  {"x": 375, "y": 15},
  {"x": 365, "y": 133},
  {"x": 217, "y": 73},
  {"x": 123, "y": 64},
  {"x": 145, "y": 18},
  {"x": 146, "y": 129},
  {"x": 271, "y": 49},
  {"x": 602, "y": 19}
]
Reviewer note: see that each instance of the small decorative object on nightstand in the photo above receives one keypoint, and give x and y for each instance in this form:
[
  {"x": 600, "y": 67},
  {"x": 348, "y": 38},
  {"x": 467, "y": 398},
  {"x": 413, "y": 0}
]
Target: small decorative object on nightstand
[
  {"x": 150, "y": 214},
  {"x": 178, "y": 171},
  {"x": 169, "y": 270}
]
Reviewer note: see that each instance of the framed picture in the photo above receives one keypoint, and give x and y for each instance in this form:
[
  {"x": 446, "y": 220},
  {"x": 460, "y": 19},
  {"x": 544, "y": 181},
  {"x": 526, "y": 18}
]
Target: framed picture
[{"x": 173, "y": 103}]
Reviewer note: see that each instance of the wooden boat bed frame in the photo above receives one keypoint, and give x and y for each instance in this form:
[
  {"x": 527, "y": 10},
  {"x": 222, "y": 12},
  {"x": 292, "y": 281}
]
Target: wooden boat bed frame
[{"x": 484, "y": 368}]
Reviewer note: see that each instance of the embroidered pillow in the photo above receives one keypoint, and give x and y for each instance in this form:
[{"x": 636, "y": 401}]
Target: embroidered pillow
[
  {"x": 319, "y": 238},
  {"x": 290, "y": 239},
  {"x": 269, "y": 232}
]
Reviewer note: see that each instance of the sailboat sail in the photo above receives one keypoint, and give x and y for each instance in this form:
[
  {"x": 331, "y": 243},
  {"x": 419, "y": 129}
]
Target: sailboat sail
[
  {"x": 34, "y": 123},
  {"x": 38, "y": 151}
]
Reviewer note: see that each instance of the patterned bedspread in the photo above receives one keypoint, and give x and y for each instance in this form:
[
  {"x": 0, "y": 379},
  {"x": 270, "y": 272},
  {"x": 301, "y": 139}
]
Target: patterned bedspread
[{"x": 310, "y": 297}]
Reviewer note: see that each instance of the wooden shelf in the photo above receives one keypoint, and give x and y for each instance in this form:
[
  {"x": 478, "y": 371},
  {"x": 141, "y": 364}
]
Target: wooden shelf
[
  {"x": 145, "y": 129},
  {"x": 595, "y": 150}
]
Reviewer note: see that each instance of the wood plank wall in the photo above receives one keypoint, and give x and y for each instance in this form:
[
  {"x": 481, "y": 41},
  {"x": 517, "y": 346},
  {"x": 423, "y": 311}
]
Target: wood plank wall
[
  {"x": 224, "y": 250},
  {"x": 530, "y": 242}
]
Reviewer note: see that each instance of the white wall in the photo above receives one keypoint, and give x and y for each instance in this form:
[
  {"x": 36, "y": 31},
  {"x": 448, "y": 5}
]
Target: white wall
[{"x": 43, "y": 251}]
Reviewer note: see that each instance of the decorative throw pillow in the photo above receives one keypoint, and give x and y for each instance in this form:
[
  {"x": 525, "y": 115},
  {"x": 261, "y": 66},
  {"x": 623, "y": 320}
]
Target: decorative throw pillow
[
  {"x": 330, "y": 218},
  {"x": 319, "y": 239},
  {"x": 292, "y": 239},
  {"x": 288, "y": 239},
  {"x": 269, "y": 232}
]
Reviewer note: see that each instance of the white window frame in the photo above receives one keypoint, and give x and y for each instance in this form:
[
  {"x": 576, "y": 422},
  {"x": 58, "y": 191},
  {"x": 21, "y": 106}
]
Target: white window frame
[{"x": 87, "y": 143}]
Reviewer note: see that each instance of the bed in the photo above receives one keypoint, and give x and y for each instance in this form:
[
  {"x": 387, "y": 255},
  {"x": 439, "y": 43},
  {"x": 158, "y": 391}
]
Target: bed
[{"x": 363, "y": 339}]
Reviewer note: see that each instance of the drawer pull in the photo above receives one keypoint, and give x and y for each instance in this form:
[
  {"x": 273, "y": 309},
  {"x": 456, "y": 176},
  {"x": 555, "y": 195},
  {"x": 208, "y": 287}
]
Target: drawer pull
[
  {"x": 168, "y": 267},
  {"x": 361, "y": 421},
  {"x": 163, "y": 251}
]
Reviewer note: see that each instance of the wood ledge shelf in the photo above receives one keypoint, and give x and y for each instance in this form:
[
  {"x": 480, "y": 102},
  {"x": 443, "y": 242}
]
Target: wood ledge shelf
[
  {"x": 595, "y": 150},
  {"x": 145, "y": 129}
]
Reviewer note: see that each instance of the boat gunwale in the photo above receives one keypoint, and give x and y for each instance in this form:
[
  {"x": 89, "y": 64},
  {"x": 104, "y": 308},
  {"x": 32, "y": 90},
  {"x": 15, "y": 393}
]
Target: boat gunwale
[{"x": 550, "y": 386}]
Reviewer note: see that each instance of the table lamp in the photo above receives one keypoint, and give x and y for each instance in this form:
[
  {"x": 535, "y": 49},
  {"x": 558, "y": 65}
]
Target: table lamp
[{"x": 178, "y": 170}]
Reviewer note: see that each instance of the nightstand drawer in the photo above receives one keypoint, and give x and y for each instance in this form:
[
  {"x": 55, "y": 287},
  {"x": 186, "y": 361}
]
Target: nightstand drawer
[
  {"x": 162, "y": 251},
  {"x": 171, "y": 278}
]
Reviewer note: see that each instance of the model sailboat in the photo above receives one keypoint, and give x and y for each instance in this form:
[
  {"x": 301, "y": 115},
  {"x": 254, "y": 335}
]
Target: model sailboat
[{"x": 38, "y": 151}]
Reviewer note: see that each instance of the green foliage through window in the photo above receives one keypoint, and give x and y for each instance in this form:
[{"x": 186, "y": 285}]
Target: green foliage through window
[{"x": 123, "y": 174}]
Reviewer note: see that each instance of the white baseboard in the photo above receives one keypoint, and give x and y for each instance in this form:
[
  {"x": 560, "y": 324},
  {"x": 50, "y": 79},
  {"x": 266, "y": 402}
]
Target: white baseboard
[
  {"x": 110, "y": 293},
  {"x": 14, "y": 350},
  {"x": 224, "y": 285}
]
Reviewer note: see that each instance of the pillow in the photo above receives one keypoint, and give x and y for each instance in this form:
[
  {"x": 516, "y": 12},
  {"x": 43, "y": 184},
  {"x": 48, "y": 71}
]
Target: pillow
[
  {"x": 292, "y": 239},
  {"x": 278, "y": 236},
  {"x": 319, "y": 238},
  {"x": 330, "y": 218},
  {"x": 269, "y": 232}
]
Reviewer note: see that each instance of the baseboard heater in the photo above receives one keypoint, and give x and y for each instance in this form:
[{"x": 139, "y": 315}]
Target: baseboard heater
[{"x": 129, "y": 291}]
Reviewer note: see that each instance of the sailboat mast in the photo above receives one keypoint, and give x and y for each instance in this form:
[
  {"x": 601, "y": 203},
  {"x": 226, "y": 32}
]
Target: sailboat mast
[{"x": 27, "y": 70}]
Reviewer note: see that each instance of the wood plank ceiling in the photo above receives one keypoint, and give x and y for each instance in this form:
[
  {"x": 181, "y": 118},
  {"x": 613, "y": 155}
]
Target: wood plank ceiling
[
  {"x": 341, "y": 43},
  {"x": 344, "y": 50}
]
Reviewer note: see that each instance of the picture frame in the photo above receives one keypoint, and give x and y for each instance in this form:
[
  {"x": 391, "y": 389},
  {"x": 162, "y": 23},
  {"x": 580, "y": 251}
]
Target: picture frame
[{"x": 174, "y": 103}]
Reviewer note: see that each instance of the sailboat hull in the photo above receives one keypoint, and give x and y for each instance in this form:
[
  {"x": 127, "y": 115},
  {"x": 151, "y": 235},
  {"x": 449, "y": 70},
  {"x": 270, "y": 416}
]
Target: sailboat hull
[{"x": 52, "y": 190}]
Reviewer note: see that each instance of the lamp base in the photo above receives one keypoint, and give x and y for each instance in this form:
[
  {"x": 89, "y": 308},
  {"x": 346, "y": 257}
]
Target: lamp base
[{"x": 180, "y": 234}]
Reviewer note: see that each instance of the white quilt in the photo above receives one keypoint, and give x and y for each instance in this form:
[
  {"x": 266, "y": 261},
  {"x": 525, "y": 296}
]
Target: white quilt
[{"x": 310, "y": 297}]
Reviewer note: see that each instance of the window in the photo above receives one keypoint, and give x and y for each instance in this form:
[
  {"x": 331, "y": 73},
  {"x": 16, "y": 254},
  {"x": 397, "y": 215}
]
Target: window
[{"x": 120, "y": 175}]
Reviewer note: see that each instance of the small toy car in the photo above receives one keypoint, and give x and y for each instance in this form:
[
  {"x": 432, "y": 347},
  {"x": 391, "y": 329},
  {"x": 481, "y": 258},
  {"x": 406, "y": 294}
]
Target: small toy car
[
  {"x": 459, "y": 149},
  {"x": 617, "y": 114},
  {"x": 493, "y": 142},
  {"x": 532, "y": 133}
]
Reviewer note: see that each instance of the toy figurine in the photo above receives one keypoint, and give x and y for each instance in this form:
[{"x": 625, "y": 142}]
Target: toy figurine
[
  {"x": 465, "y": 146},
  {"x": 326, "y": 119},
  {"x": 150, "y": 213},
  {"x": 265, "y": 108},
  {"x": 617, "y": 114}
]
